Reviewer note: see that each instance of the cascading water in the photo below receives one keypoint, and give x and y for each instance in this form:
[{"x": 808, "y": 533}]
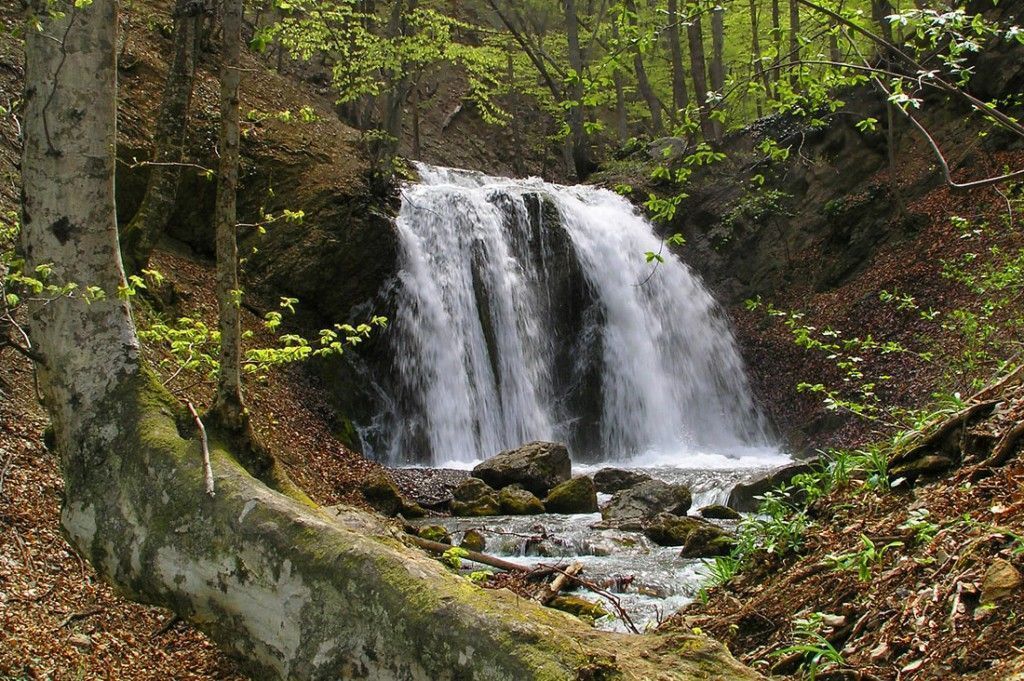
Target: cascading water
[{"x": 527, "y": 310}]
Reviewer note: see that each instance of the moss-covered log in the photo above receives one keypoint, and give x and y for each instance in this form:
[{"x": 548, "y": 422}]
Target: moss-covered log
[{"x": 298, "y": 593}]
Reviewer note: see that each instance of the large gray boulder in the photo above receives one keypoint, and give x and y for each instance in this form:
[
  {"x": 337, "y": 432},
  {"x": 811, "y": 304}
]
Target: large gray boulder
[
  {"x": 537, "y": 467},
  {"x": 612, "y": 480},
  {"x": 643, "y": 501}
]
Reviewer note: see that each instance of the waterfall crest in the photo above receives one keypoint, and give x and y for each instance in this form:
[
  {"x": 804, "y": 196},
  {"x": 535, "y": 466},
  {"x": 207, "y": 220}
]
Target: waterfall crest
[{"x": 527, "y": 310}]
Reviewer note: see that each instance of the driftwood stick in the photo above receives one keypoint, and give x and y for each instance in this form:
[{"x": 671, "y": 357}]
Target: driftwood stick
[
  {"x": 475, "y": 556},
  {"x": 558, "y": 583},
  {"x": 208, "y": 469},
  {"x": 607, "y": 595}
]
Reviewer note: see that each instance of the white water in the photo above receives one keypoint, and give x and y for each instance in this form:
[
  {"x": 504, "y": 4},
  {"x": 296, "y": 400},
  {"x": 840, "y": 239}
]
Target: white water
[{"x": 491, "y": 353}]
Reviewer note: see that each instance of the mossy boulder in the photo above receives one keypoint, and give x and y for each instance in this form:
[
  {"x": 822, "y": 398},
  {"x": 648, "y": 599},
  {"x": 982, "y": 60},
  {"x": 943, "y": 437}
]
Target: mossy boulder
[
  {"x": 515, "y": 500},
  {"x": 473, "y": 540},
  {"x": 472, "y": 489},
  {"x": 537, "y": 467},
  {"x": 666, "y": 529},
  {"x": 644, "y": 501},
  {"x": 612, "y": 480},
  {"x": 699, "y": 538},
  {"x": 381, "y": 493},
  {"x": 573, "y": 496},
  {"x": 435, "y": 533},
  {"x": 719, "y": 512},
  {"x": 707, "y": 541},
  {"x": 474, "y": 498},
  {"x": 581, "y": 607}
]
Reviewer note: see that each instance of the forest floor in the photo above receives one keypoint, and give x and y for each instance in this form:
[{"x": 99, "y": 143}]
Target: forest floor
[{"x": 917, "y": 611}]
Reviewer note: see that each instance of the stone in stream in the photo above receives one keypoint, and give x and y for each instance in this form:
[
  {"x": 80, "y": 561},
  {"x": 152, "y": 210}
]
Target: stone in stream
[
  {"x": 435, "y": 533},
  {"x": 473, "y": 540},
  {"x": 573, "y": 496},
  {"x": 719, "y": 512},
  {"x": 473, "y": 497},
  {"x": 641, "y": 502},
  {"x": 537, "y": 466},
  {"x": 515, "y": 500},
  {"x": 612, "y": 480},
  {"x": 699, "y": 538},
  {"x": 383, "y": 496}
]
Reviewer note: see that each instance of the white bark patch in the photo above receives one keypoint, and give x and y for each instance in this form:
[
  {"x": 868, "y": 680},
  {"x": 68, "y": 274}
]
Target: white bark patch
[
  {"x": 79, "y": 521},
  {"x": 269, "y": 610}
]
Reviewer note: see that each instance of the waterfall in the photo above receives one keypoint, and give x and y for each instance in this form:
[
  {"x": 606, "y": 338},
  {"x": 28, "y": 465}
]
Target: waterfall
[{"x": 527, "y": 310}]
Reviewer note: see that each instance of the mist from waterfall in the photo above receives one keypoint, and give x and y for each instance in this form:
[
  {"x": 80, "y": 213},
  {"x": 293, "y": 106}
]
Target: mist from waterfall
[{"x": 527, "y": 310}]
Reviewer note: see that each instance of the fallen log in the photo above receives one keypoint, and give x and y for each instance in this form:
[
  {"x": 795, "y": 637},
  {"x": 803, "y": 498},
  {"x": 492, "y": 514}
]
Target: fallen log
[{"x": 475, "y": 556}]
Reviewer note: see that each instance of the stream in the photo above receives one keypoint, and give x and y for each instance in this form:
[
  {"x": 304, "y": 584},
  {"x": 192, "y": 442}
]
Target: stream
[{"x": 650, "y": 582}]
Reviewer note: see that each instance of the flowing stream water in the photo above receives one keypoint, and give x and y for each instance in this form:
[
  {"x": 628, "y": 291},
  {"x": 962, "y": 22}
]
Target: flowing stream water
[{"x": 528, "y": 310}]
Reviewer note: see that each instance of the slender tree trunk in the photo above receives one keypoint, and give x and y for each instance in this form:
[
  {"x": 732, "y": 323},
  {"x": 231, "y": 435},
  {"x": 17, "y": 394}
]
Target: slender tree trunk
[
  {"x": 582, "y": 163},
  {"x": 698, "y": 70},
  {"x": 794, "y": 41},
  {"x": 718, "y": 58},
  {"x": 296, "y": 592},
  {"x": 643, "y": 83},
  {"x": 621, "y": 119},
  {"x": 228, "y": 403},
  {"x": 776, "y": 39},
  {"x": 755, "y": 47},
  {"x": 141, "y": 235},
  {"x": 680, "y": 97}
]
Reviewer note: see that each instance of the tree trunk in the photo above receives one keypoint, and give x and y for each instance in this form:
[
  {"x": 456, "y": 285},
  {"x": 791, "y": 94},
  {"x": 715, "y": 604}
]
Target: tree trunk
[
  {"x": 141, "y": 235},
  {"x": 294, "y": 591},
  {"x": 794, "y": 42},
  {"x": 718, "y": 49},
  {"x": 755, "y": 46},
  {"x": 643, "y": 83},
  {"x": 582, "y": 162},
  {"x": 228, "y": 403},
  {"x": 680, "y": 97},
  {"x": 776, "y": 38},
  {"x": 718, "y": 58},
  {"x": 621, "y": 119},
  {"x": 698, "y": 69}
]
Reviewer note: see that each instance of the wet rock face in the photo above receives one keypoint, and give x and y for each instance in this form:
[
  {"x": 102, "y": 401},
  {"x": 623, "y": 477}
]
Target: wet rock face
[
  {"x": 537, "y": 467},
  {"x": 646, "y": 500},
  {"x": 612, "y": 480},
  {"x": 573, "y": 496}
]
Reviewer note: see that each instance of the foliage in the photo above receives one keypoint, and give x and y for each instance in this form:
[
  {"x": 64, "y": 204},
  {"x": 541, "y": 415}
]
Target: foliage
[
  {"x": 864, "y": 559},
  {"x": 453, "y": 557},
  {"x": 817, "y": 652}
]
